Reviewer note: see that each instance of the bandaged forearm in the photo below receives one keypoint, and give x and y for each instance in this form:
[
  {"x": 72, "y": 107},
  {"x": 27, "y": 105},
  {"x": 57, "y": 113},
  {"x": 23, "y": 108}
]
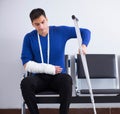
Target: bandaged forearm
[{"x": 35, "y": 67}]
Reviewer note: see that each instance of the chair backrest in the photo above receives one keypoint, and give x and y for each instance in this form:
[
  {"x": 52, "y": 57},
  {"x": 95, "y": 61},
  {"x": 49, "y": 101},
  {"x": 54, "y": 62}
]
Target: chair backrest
[
  {"x": 103, "y": 71},
  {"x": 99, "y": 66}
]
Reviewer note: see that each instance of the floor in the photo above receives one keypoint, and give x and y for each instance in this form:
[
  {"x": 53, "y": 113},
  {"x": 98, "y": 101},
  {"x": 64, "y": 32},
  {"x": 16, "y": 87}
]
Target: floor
[{"x": 72, "y": 111}]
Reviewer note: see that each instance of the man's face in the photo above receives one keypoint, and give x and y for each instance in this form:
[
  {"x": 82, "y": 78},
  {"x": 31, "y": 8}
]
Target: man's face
[{"x": 41, "y": 25}]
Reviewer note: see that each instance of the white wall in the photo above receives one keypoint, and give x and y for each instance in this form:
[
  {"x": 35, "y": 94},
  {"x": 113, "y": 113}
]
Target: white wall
[{"x": 100, "y": 16}]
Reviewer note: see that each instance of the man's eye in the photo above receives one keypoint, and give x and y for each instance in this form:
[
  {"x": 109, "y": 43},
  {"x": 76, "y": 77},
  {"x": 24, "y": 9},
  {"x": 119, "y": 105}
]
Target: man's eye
[
  {"x": 43, "y": 22},
  {"x": 37, "y": 24}
]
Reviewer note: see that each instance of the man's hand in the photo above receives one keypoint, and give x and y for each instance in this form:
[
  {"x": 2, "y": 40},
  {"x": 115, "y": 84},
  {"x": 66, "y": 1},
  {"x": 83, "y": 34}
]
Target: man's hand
[
  {"x": 84, "y": 49},
  {"x": 58, "y": 69}
]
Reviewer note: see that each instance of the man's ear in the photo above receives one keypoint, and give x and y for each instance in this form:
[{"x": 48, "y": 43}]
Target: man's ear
[
  {"x": 32, "y": 24},
  {"x": 46, "y": 18}
]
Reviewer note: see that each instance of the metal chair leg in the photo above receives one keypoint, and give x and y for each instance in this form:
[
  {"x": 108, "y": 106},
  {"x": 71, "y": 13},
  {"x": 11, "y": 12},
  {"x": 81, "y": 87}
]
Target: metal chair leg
[{"x": 23, "y": 110}]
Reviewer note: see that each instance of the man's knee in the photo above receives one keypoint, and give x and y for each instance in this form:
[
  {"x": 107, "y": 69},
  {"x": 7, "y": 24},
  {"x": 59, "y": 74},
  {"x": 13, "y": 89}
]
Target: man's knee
[
  {"x": 66, "y": 83},
  {"x": 24, "y": 83},
  {"x": 68, "y": 79}
]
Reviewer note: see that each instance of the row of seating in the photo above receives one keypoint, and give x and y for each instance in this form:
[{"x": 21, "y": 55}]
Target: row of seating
[{"x": 102, "y": 67}]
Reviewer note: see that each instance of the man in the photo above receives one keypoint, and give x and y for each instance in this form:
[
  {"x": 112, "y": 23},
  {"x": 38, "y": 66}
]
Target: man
[{"x": 43, "y": 56}]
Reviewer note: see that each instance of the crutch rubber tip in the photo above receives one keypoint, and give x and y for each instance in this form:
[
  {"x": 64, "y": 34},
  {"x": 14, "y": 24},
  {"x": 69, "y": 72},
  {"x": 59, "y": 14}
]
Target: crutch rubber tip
[{"x": 73, "y": 17}]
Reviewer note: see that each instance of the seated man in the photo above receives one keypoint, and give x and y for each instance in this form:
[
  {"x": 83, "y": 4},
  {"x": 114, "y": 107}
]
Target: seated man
[{"x": 43, "y": 56}]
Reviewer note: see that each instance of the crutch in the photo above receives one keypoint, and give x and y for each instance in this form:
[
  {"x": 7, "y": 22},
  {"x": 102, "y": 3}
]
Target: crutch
[{"x": 84, "y": 62}]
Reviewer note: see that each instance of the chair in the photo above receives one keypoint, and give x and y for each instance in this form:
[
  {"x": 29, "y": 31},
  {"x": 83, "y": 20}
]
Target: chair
[
  {"x": 102, "y": 68},
  {"x": 52, "y": 97}
]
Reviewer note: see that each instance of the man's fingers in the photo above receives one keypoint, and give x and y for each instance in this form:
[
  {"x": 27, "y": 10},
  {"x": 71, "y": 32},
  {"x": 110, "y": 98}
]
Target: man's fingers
[{"x": 58, "y": 69}]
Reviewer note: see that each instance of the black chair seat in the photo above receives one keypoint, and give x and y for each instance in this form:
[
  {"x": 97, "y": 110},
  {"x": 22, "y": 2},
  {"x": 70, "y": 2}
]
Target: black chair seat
[
  {"x": 47, "y": 93},
  {"x": 101, "y": 91}
]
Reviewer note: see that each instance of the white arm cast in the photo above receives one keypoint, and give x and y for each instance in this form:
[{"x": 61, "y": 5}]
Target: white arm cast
[{"x": 35, "y": 67}]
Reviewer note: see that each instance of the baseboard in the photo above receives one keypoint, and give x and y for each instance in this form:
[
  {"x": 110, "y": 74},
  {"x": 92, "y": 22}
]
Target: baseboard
[{"x": 72, "y": 111}]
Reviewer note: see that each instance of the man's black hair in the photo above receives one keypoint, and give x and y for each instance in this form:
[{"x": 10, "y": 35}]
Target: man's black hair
[{"x": 36, "y": 13}]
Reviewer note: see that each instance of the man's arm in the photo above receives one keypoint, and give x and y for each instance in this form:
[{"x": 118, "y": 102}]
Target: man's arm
[{"x": 35, "y": 67}]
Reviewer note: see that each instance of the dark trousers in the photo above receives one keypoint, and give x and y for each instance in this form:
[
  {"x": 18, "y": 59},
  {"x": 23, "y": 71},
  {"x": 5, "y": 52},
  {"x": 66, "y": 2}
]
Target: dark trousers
[{"x": 60, "y": 83}]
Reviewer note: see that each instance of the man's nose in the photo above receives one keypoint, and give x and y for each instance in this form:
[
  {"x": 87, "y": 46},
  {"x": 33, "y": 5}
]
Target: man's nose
[{"x": 40, "y": 26}]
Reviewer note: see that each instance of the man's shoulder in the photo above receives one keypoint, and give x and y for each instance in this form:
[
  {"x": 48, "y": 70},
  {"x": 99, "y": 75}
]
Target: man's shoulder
[
  {"x": 60, "y": 27},
  {"x": 30, "y": 36},
  {"x": 32, "y": 33}
]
